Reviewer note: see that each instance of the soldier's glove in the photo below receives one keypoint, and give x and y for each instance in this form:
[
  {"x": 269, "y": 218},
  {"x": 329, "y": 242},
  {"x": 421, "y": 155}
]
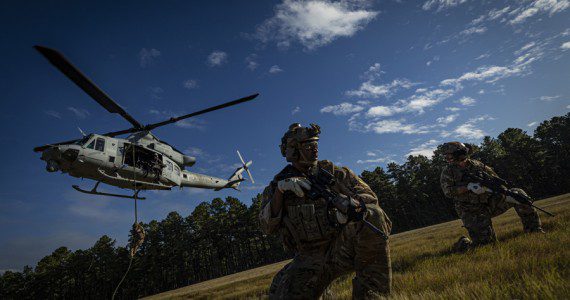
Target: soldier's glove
[
  {"x": 348, "y": 209},
  {"x": 477, "y": 188},
  {"x": 295, "y": 185}
]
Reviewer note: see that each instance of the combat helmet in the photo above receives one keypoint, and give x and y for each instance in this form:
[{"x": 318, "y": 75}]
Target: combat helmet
[
  {"x": 294, "y": 137},
  {"x": 457, "y": 149}
]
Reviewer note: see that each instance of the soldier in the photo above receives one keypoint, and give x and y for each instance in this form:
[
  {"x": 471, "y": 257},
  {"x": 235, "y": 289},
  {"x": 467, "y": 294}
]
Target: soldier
[
  {"x": 474, "y": 203},
  {"x": 328, "y": 237}
]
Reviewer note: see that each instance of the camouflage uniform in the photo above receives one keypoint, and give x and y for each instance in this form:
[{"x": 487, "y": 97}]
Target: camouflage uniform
[
  {"x": 475, "y": 210},
  {"x": 324, "y": 249}
]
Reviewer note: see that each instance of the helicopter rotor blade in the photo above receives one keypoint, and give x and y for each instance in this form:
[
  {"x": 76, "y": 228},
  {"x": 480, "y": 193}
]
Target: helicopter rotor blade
[
  {"x": 44, "y": 147},
  {"x": 68, "y": 69},
  {"x": 176, "y": 119},
  {"x": 124, "y": 131}
]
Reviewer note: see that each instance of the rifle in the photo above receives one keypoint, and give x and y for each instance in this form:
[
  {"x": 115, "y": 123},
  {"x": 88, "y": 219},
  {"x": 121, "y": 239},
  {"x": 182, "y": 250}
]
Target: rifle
[
  {"x": 320, "y": 188},
  {"x": 500, "y": 186}
]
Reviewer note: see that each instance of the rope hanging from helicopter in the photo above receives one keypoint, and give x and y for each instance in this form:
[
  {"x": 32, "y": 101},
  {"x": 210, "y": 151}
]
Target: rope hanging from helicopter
[{"x": 138, "y": 233}]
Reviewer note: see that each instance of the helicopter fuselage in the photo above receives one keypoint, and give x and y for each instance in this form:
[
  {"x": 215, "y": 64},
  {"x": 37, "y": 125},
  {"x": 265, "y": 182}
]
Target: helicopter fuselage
[{"x": 133, "y": 163}]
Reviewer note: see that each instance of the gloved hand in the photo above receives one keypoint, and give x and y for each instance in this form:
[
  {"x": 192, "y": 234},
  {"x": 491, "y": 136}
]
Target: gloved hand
[
  {"x": 348, "y": 209},
  {"x": 477, "y": 188},
  {"x": 295, "y": 185}
]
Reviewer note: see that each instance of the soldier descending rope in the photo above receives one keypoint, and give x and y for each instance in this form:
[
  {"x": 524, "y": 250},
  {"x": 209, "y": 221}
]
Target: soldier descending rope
[{"x": 321, "y": 212}]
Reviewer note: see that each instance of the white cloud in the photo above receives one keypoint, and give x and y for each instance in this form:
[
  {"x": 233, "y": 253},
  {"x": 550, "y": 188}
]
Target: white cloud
[
  {"x": 275, "y": 69},
  {"x": 373, "y": 72},
  {"x": 448, "y": 119},
  {"x": 469, "y": 129},
  {"x": 380, "y": 111},
  {"x": 426, "y": 149},
  {"x": 394, "y": 126},
  {"x": 217, "y": 58},
  {"x": 549, "y": 98},
  {"x": 473, "y": 30},
  {"x": 467, "y": 101},
  {"x": 416, "y": 103},
  {"x": 491, "y": 15},
  {"x": 497, "y": 13},
  {"x": 296, "y": 110},
  {"x": 342, "y": 109},
  {"x": 314, "y": 23},
  {"x": 194, "y": 151},
  {"x": 80, "y": 113},
  {"x": 531, "y": 124},
  {"x": 375, "y": 160},
  {"x": 440, "y": 5},
  {"x": 565, "y": 46},
  {"x": 191, "y": 124},
  {"x": 490, "y": 74},
  {"x": 435, "y": 58},
  {"x": 147, "y": 56},
  {"x": 369, "y": 89},
  {"x": 539, "y": 6},
  {"x": 370, "y": 153},
  {"x": 251, "y": 61},
  {"x": 482, "y": 56},
  {"x": 53, "y": 113},
  {"x": 191, "y": 84},
  {"x": 453, "y": 108}
]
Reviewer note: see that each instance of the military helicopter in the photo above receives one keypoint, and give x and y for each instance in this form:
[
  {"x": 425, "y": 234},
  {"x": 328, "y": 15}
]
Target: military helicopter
[{"x": 140, "y": 161}]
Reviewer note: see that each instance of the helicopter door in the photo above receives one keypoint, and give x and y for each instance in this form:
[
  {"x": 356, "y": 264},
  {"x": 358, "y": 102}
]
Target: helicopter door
[
  {"x": 94, "y": 151},
  {"x": 171, "y": 171}
]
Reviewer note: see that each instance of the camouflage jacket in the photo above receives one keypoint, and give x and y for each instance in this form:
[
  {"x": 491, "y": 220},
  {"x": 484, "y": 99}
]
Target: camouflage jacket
[
  {"x": 304, "y": 222},
  {"x": 453, "y": 177}
]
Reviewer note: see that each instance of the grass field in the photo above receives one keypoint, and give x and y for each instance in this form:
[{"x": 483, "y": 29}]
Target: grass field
[{"x": 521, "y": 266}]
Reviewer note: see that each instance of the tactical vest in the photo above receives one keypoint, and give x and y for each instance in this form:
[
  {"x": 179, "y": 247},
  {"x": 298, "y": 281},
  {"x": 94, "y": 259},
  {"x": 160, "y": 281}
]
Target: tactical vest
[
  {"x": 308, "y": 223},
  {"x": 459, "y": 178}
]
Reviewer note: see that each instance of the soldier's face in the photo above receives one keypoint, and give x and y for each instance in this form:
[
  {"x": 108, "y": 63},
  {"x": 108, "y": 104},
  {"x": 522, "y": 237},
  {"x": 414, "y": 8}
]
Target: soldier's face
[
  {"x": 452, "y": 159},
  {"x": 310, "y": 150}
]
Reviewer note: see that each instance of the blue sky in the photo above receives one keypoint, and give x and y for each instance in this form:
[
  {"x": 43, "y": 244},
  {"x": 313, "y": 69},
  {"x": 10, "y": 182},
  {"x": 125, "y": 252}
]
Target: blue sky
[{"x": 383, "y": 79}]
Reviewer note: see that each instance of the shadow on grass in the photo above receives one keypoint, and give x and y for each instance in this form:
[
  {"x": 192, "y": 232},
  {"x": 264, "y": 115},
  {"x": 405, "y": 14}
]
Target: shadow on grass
[{"x": 403, "y": 265}]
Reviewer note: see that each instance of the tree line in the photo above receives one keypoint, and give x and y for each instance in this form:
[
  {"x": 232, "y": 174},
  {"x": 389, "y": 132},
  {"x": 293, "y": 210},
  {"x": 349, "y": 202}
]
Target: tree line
[{"x": 223, "y": 236}]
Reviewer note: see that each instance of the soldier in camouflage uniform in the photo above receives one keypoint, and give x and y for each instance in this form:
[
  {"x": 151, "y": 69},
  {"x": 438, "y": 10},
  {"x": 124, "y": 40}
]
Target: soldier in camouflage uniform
[
  {"x": 326, "y": 240},
  {"x": 476, "y": 205}
]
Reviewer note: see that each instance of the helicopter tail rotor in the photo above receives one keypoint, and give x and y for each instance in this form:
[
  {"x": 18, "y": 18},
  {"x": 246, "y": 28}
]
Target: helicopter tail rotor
[{"x": 245, "y": 166}]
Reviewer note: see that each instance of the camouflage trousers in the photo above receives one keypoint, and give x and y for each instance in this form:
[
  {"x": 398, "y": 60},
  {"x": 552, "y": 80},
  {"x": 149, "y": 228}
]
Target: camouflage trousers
[
  {"x": 356, "y": 249},
  {"x": 476, "y": 217}
]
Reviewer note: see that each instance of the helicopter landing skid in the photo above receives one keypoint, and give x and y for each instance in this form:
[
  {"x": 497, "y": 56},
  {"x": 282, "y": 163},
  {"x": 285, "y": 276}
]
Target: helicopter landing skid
[{"x": 95, "y": 192}]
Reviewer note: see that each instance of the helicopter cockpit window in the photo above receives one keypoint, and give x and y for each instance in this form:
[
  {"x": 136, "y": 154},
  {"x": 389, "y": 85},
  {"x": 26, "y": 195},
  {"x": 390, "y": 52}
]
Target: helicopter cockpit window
[
  {"x": 177, "y": 170},
  {"x": 83, "y": 141},
  {"x": 91, "y": 145},
  {"x": 100, "y": 144},
  {"x": 169, "y": 165}
]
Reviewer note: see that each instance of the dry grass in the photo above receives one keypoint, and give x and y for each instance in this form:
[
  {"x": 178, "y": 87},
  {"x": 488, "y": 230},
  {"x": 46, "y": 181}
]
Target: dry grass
[{"x": 521, "y": 266}]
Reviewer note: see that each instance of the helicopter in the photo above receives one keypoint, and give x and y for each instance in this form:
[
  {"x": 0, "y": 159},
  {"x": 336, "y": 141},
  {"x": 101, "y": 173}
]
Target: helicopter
[{"x": 141, "y": 161}]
